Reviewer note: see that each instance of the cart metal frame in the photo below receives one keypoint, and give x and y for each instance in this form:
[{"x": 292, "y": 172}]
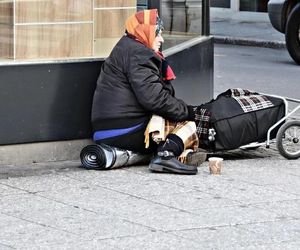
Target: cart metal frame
[{"x": 288, "y": 114}]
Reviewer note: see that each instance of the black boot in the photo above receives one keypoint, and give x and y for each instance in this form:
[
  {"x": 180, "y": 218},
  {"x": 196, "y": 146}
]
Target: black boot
[{"x": 166, "y": 159}]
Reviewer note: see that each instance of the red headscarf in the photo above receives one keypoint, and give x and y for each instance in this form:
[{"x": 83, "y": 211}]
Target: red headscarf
[{"x": 142, "y": 26}]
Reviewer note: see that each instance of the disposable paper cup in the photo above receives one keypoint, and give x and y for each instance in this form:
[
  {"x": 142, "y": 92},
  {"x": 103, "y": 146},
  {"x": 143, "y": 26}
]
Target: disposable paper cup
[{"x": 215, "y": 165}]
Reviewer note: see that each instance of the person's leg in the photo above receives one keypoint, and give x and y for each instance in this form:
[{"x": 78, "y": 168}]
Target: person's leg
[
  {"x": 133, "y": 142},
  {"x": 191, "y": 155},
  {"x": 179, "y": 137}
]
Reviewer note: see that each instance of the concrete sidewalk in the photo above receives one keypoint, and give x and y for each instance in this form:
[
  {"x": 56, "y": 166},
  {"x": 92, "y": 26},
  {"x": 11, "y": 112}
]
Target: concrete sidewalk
[
  {"x": 254, "y": 204},
  {"x": 244, "y": 28}
]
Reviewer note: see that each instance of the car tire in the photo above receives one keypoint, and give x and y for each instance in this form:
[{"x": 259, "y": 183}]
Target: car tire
[{"x": 292, "y": 34}]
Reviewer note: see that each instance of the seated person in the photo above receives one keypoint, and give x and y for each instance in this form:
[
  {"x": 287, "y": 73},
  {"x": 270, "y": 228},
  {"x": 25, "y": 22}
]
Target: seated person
[{"x": 135, "y": 84}]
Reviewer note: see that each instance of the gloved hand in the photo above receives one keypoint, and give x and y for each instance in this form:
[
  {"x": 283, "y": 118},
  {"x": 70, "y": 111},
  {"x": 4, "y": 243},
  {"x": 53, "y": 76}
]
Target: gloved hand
[{"x": 195, "y": 113}]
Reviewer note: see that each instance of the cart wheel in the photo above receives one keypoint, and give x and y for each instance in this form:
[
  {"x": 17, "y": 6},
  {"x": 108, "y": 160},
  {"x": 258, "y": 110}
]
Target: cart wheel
[
  {"x": 92, "y": 157},
  {"x": 287, "y": 140}
]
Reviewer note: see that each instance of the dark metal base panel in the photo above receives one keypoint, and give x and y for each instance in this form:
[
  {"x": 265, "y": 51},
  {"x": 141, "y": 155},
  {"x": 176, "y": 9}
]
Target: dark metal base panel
[
  {"x": 52, "y": 102},
  {"x": 193, "y": 68}
]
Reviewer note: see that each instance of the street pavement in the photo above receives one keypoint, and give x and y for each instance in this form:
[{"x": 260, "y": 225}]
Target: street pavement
[
  {"x": 253, "y": 204},
  {"x": 244, "y": 28}
]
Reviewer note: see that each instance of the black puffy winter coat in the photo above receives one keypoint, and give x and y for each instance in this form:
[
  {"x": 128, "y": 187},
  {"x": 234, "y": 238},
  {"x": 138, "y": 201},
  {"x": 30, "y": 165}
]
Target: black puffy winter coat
[{"x": 130, "y": 89}]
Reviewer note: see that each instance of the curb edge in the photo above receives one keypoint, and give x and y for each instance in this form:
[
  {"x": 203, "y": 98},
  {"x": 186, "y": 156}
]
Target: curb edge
[{"x": 247, "y": 42}]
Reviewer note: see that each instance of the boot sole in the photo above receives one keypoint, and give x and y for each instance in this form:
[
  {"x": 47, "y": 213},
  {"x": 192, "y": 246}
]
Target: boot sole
[
  {"x": 165, "y": 169},
  {"x": 196, "y": 158}
]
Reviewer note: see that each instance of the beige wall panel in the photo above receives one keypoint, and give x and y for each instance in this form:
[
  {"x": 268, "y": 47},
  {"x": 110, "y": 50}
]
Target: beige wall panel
[
  {"x": 6, "y": 12},
  {"x": 110, "y": 23},
  {"x": 33, "y": 11},
  {"x": 6, "y": 41},
  {"x": 103, "y": 46},
  {"x": 53, "y": 41},
  {"x": 115, "y": 3}
]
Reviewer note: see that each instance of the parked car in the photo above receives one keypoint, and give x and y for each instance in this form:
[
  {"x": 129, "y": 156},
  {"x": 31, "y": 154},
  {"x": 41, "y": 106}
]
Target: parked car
[{"x": 285, "y": 17}]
